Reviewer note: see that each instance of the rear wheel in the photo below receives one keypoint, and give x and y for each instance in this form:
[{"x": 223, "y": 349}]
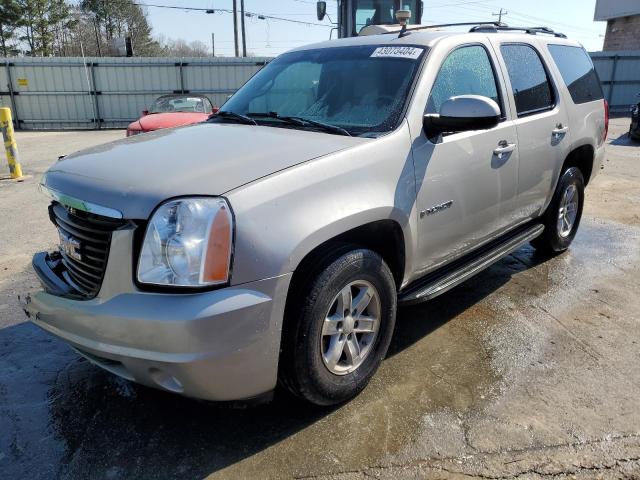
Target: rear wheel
[
  {"x": 562, "y": 217},
  {"x": 338, "y": 326}
]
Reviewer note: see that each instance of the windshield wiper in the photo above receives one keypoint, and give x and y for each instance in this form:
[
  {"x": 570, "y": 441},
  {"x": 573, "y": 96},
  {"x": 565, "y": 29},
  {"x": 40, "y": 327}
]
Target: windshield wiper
[
  {"x": 236, "y": 116},
  {"x": 325, "y": 126},
  {"x": 300, "y": 121},
  {"x": 275, "y": 116}
]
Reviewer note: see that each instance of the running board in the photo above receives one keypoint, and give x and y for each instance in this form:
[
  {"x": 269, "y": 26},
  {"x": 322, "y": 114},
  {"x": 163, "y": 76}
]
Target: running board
[{"x": 445, "y": 279}]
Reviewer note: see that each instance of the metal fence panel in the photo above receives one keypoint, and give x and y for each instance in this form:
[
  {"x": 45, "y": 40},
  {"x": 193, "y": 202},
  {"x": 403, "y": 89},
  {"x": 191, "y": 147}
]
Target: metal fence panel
[
  {"x": 198, "y": 77},
  {"x": 52, "y": 93},
  {"x": 619, "y": 73},
  {"x": 111, "y": 92}
]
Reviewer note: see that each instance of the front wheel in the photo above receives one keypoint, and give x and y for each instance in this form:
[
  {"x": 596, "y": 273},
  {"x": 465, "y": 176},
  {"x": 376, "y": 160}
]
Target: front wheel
[
  {"x": 562, "y": 217},
  {"x": 338, "y": 326}
]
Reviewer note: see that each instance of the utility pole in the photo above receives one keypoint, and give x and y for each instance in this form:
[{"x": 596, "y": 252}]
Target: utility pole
[
  {"x": 500, "y": 14},
  {"x": 235, "y": 26},
  {"x": 213, "y": 44},
  {"x": 244, "y": 34}
]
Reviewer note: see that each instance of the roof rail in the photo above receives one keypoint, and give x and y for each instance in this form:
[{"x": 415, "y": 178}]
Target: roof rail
[
  {"x": 530, "y": 30},
  {"x": 442, "y": 25}
]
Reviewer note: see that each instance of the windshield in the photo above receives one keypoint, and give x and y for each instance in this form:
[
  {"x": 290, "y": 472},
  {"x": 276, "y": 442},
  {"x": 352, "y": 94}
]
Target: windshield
[
  {"x": 361, "y": 89},
  {"x": 179, "y": 104}
]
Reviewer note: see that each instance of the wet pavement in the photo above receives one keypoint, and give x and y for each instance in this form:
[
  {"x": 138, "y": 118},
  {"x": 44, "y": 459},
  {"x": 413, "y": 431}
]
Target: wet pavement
[{"x": 528, "y": 370}]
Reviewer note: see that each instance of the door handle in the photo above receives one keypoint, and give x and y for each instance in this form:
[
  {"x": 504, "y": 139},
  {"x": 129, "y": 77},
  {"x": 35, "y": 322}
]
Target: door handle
[
  {"x": 559, "y": 130},
  {"x": 504, "y": 147}
]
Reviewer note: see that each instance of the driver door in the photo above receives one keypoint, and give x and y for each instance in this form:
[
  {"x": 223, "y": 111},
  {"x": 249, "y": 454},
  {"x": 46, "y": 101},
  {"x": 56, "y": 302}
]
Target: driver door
[{"x": 466, "y": 192}]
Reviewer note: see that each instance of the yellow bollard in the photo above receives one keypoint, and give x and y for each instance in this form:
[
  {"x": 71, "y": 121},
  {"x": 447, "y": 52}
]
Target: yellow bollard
[{"x": 6, "y": 125}]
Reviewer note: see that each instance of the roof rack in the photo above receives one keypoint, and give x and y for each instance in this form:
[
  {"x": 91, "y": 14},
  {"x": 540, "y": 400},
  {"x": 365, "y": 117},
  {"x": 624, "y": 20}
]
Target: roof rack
[
  {"x": 487, "y": 28},
  {"x": 442, "y": 25}
]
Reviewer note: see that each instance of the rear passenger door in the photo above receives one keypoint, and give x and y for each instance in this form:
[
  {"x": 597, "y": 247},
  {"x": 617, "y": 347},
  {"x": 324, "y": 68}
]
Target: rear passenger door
[{"x": 541, "y": 121}]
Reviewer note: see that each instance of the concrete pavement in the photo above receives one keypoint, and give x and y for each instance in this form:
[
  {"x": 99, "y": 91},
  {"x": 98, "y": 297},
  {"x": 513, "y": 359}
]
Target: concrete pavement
[{"x": 529, "y": 370}]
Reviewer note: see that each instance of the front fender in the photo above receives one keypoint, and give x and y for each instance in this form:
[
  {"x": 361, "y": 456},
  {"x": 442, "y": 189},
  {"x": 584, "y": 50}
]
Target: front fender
[{"x": 284, "y": 216}]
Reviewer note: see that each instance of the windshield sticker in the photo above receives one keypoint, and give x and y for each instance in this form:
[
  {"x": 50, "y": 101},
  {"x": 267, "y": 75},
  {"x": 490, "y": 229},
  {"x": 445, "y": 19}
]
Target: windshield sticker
[{"x": 412, "y": 53}]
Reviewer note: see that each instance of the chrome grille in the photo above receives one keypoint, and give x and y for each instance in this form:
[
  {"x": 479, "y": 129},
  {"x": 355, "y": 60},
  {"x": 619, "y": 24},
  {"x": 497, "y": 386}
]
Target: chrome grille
[{"x": 84, "y": 247}]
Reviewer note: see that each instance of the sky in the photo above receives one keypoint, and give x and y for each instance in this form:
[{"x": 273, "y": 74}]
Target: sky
[{"x": 270, "y": 37}]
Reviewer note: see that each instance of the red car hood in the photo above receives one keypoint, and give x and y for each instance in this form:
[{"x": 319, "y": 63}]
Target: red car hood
[{"x": 156, "y": 121}]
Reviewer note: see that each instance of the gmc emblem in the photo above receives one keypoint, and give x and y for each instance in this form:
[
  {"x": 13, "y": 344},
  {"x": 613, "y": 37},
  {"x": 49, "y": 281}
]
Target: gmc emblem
[{"x": 69, "y": 246}]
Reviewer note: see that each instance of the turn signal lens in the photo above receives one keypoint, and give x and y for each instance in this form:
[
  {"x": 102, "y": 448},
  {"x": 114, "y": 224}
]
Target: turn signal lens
[{"x": 218, "y": 253}]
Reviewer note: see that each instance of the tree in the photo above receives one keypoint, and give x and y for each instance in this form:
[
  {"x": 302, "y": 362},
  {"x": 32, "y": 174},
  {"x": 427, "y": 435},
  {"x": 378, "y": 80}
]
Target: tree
[
  {"x": 10, "y": 20},
  {"x": 140, "y": 33},
  {"x": 122, "y": 18},
  {"x": 83, "y": 38},
  {"x": 42, "y": 22},
  {"x": 170, "y": 47}
]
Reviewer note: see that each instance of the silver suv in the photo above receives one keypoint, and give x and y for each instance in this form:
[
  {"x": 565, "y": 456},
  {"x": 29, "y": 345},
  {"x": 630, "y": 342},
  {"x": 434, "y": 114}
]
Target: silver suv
[{"x": 272, "y": 244}]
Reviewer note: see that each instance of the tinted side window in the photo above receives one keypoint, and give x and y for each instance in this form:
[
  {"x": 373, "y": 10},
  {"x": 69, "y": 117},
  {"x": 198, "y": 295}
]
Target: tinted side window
[
  {"x": 466, "y": 71},
  {"x": 529, "y": 80},
  {"x": 577, "y": 72}
]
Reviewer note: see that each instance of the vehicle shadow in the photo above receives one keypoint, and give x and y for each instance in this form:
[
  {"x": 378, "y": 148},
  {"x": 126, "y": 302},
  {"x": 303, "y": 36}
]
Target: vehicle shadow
[
  {"x": 418, "y": 321},
  {"x": 61, "y": 417},
  {"x": 625, "y": 139}
]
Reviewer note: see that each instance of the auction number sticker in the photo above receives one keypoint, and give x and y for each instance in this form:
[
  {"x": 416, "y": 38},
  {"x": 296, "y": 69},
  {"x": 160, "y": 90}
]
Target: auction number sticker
[{"x": 412, "y": 53}]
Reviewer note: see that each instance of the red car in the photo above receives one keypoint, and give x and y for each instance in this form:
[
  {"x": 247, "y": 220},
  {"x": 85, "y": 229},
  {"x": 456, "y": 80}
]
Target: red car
[{"x": 172, "y": 111}]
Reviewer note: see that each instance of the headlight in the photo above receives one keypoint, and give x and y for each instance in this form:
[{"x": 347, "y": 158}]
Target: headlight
[{"x": 188, "y": 243}]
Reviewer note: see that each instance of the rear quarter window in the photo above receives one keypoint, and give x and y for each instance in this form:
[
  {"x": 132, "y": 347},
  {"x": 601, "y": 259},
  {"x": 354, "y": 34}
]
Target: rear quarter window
[{"x": 578, "y": 73}]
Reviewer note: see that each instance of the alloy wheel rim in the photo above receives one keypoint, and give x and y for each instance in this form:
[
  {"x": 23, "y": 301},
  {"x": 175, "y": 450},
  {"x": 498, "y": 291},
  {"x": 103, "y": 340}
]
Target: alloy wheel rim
[
  {"x": 568, "y": 211},
  {"x": 350, "y": 327}
]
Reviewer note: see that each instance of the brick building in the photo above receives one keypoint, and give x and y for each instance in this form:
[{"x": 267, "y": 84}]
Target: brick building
[{"x": 623, "y": 23}]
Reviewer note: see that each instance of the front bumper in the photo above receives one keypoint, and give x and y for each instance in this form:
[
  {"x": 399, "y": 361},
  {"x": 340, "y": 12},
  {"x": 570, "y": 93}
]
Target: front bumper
[{"x": 215, "y": 345}]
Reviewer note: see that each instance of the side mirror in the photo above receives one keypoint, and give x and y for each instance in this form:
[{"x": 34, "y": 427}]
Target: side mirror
[
  {"x": 321, "y": 8},
  {"x": 215, "y": 110},
  {"x": 461, "y": 114},
  {"x": 145, "y": 112}
]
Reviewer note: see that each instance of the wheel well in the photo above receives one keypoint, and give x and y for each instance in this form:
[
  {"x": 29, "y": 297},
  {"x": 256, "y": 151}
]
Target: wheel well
[
  {"x": 581, "y": 158},
  {"x": 384, "y": 237}
]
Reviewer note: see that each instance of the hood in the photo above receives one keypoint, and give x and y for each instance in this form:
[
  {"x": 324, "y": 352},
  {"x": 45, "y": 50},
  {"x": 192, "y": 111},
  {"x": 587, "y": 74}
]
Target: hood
[
  {"x": 156, "y": 121},
  {"x": 135, "y": 174}
]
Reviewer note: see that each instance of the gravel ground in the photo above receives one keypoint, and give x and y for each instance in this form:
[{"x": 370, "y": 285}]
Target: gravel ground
[{"x": 528, "y": 371}]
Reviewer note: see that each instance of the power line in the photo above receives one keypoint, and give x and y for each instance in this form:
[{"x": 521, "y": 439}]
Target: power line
[
  {"x": 528, "y": 19},
  {"x": 445, "y": 5},
  {"x": 259, "y": 16},
  {"x": 307, "y": 1},
  {"x": 553, "y": 22}
]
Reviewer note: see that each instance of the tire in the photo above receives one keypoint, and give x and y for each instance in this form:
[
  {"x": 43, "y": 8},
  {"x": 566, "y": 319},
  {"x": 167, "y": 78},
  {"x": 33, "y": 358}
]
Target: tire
[
  {"x": 313, "y": 334},
  {"x": 560, "y": 229}
]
